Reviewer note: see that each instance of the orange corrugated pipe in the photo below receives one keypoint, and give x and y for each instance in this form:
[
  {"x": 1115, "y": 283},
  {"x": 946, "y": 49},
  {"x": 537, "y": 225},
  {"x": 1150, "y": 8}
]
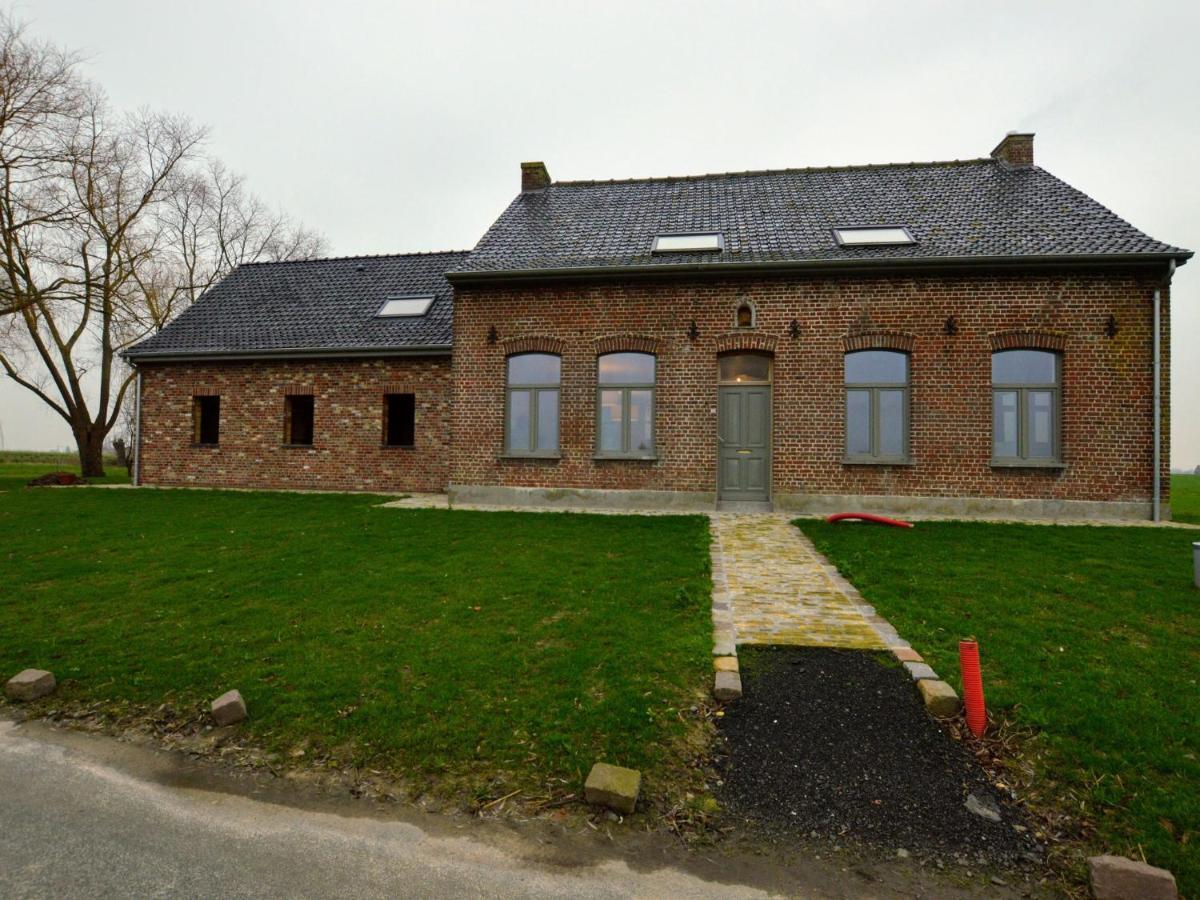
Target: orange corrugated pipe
[{"x": 972, "y": 681}]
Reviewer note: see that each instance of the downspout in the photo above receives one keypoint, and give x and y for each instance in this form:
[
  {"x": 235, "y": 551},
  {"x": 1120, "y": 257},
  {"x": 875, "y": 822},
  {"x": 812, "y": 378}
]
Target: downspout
[
  {"x": 137, "y": 430},
  {"x": 1156, "y": 504}
]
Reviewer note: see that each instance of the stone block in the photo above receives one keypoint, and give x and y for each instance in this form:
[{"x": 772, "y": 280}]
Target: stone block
[
  {"x": 31, "y": 684},
  {"x": 727, "y": 686},
  {"x": 725, "y": 663},
  {"x": 229, "y": 708},
  {"x": 1118, "y": 878},
  {"x": 939, "y": 697},
  {"x": 920, "y": 671},
  {"x": 907, "y": 654},
  {"x": 613, "y": 786},
  {"x": 723, "y": 646}
]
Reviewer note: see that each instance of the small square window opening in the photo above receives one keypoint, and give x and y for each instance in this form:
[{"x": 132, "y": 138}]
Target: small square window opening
[
  {"x": 206, "y": 420},
  {"x": 399, "y": 420},
  {"x": 298, "y": 413}
]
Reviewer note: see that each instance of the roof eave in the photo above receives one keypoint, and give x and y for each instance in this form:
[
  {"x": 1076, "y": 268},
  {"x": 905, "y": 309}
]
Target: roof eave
[
  {"x": 283, "y": 354},
  {"x": 822, "y": 266}
]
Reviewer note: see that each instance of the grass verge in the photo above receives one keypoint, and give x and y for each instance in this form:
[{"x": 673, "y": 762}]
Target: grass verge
[
  {"x": 466, "y": 651},
  {"x": 1185, "y": 498},
  {"x": 1089, "y": 637}
]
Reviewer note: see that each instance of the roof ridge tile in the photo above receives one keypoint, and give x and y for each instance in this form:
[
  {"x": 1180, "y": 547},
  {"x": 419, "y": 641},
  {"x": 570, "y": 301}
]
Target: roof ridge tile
[
  {"x": 326, "y": 259},
  {"x": 850, "y": 167}
]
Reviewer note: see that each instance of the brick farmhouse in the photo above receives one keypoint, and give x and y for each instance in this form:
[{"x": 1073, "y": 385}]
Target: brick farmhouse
[{"x": 963, "y": 337}]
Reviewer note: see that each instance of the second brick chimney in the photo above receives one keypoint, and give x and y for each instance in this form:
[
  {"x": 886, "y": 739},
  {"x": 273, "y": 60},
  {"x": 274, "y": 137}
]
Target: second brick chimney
[
  {"x": 534, "y": 176},
  {"x": 1016, "y": 149}
]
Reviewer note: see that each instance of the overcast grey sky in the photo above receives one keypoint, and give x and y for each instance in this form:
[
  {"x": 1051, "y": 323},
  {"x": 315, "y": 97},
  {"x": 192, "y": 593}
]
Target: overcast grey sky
[{"x": 395, "y": 127}]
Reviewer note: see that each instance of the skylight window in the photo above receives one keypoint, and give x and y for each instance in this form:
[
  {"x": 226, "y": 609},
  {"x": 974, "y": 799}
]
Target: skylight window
[
  {"x": 866, "y": 236},
  {"x": 405, "y": 306},
  {"x": 686, "y": 243}
]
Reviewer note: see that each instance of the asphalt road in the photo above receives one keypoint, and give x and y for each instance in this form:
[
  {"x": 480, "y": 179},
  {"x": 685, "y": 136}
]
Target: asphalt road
[
  {"x": 85, "y": 815},
  {"x": 73, "y": 825}
]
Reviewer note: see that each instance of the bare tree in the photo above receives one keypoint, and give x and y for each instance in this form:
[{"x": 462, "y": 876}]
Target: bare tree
[{"x": 110, "y": 225}]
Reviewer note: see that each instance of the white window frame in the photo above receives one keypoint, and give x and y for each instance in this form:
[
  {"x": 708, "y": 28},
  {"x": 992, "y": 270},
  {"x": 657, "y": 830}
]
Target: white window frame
[
  {"x": 845, "y": 236},
  {"x": 662, "y": 242},
  {"x": 417, "y": 305}
]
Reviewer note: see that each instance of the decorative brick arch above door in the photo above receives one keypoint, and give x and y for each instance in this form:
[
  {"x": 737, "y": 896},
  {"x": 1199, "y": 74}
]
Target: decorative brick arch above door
[{"x": 751, "y": 341}]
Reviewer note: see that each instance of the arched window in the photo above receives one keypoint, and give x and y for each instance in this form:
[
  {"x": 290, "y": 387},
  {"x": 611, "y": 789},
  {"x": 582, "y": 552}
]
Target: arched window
[
  {"x": 1025, "y": 407},
  {"x": 625, "y": 404},
  {"x": 745, "y": 316},
  {"x": 531, "y": 407},
  {"x": 877, "y": 405}
]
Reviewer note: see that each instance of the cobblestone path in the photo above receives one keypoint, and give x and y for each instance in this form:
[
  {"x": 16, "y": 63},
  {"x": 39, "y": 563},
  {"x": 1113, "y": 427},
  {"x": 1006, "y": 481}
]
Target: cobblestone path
[{"x": 780, "y": 590}]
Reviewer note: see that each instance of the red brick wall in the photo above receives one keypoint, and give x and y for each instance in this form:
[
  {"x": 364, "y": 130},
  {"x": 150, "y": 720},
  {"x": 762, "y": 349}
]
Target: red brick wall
[
  {"x": 1106, "y": 387},
  {"x": 347, "y": 451}
]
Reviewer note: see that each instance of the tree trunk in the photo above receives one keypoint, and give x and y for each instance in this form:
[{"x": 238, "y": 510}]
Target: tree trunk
[{"x": 90, "y": 440}]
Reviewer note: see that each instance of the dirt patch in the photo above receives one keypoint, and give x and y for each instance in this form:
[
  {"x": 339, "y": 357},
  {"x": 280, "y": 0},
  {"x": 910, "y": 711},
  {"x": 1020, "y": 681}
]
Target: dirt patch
[
  {"x": 836, "y": 745},
  {"x": 56, "y": 479}
]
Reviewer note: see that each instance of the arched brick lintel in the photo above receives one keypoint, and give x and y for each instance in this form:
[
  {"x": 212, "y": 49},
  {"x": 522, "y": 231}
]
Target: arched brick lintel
[
  {"x": 533, "y": 343},
  {"x": 880, "y": 340},
  {"x": 746, "y": 340},
  {"x": 1028, "y": 340},
  {"x": 627, "y": 343}
]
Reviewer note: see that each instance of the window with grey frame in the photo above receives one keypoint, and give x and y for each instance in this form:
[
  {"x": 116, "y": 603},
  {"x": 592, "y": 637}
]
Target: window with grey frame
[
  {"x": 531, "y": 404},
  {"x": 625, "y": 405},
  {"x": 877, "y": 406},
  {"x": 1026, "y": 408}
]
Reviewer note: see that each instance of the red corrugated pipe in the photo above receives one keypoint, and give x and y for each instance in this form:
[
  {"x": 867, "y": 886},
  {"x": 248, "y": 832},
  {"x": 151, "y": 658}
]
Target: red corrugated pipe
[{"x": 972, "y": 681}]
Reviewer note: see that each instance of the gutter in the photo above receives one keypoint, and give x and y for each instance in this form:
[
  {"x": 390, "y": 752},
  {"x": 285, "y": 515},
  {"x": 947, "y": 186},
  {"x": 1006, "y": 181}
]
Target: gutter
[
  {"x": 1156, "y": 503},
  {"x": 287, "y": 353},
  {"x": 818, "y": 266}
]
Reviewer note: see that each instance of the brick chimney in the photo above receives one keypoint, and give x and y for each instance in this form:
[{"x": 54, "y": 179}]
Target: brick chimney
[
  {"x": 534, "y": 176},
  {"x": 1016, "y": 149}
]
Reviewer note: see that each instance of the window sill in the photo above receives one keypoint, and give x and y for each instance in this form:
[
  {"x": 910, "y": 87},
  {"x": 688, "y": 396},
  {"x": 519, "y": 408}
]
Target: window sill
[
  {"x": 200, "y": 446},
  {"x": 297, "y": 446},
  {"x": 878, "y": 462},
  {"x": 533, "y": 456},
  {"x": 398, "y": 446},
  {"x": 1027, "y": 464},
  {"x": 625, "y": 457}
]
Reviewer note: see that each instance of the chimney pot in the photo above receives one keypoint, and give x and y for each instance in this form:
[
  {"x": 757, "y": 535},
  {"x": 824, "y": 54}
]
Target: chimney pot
[
  {"x": 534, "y": 176},
  {"x": 1015, "y": 150}
]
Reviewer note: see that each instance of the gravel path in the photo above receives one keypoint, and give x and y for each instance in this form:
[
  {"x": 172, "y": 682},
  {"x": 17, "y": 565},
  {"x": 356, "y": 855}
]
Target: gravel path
[{"x": 835, "y": 744}]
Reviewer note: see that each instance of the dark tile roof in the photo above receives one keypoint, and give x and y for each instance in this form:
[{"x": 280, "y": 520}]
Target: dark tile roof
[
  {"x": 317, "y": 305},
  {"x": 965, "y": 209}
]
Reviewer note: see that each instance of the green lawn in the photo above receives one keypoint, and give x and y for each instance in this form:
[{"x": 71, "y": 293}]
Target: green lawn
[
  {"x": 1089, "y": 635},
  {"x": 449, "y": 646},
  {"x": 1185, "y": 498}
]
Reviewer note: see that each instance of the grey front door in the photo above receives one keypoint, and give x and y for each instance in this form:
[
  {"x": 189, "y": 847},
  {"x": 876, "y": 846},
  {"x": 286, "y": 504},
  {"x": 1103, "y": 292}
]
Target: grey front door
[{"x": 744, "y": 442}]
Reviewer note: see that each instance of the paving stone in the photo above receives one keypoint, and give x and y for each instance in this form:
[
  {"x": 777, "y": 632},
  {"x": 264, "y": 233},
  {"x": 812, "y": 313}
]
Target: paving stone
[
  {"x": 1118, "y": 878},
  {"x": 229, "y": 708},
  {"x": 939, "y": 697},
  {"x": 782, "y": 590},
  {"x": 30, "y": 684},
  {"x": 727, "y": 686},
  {"x": 724, "y": 647},
  {"x": 907, "y": 654},
  {"x": 725, "y": 664},
  {"x": 920, "y": 670},
  {"x": 613, "y": 786}
]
